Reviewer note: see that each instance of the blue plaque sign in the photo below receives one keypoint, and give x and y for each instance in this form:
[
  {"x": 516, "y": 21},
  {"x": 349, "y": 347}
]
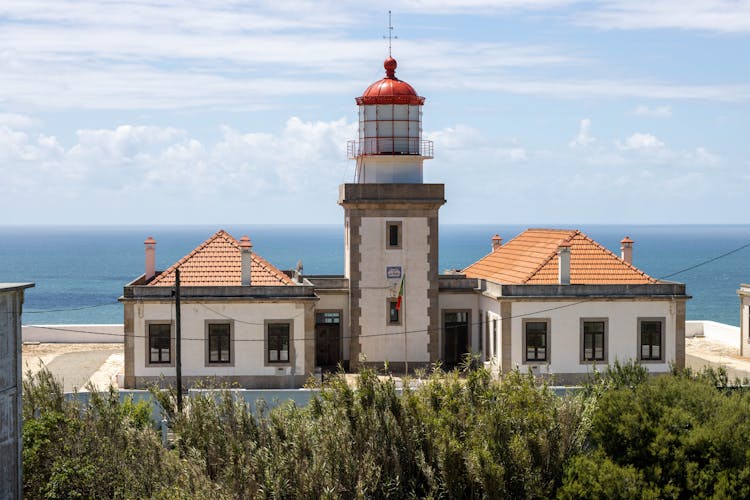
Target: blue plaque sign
[{"x": 393, "y": 272}]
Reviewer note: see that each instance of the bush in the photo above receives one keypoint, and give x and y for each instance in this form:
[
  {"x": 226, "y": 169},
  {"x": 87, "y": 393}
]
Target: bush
[
  {"x": 100, "y": 449},
  {"x": 680, "y": 435},
  {"x": 455, "y": 436}
]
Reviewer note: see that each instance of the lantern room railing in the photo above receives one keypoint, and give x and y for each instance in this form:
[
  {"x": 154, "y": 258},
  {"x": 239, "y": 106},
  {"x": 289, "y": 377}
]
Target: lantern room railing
[{"x": 389, "y": 146}]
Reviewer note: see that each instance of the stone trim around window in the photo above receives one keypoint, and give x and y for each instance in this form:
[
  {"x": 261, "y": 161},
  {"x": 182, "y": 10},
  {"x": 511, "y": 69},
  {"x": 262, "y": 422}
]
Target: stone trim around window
[
  {"x": 661, "y": 358},
  {"x": 147, "y": 344},
  {"x": 399, "y": 233},
  {"x": 547, "y": 346},
  {"x": 277, "y": 364},
  {"x": 605, "y": 347},
  {"x": 207, "y": 344}
]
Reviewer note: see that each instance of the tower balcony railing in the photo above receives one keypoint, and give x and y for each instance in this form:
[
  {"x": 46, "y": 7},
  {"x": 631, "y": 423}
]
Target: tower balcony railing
[{"x": 389, "y": 146}]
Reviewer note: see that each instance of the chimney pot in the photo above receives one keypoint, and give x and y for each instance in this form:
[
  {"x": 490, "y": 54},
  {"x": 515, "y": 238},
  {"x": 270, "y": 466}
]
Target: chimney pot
[
  {"x": 246, "y": 254},
  {"x": 563, "y": 264},
  {"x": 626, "y": 249},
  {"x": 497, "y": 242},
  {"x": 150, "y": 250}
]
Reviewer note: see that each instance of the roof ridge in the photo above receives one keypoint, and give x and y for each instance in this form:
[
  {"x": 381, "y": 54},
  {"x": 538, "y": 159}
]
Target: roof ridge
[
  {"x": 267, "y": 266},
  {"x": 552, "y": 254},
  {"x": 194, "y": 252},
  {"x": 628, "y": 264}
]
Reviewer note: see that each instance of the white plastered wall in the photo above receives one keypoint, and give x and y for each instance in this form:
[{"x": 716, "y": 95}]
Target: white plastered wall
[
  {"x": 565, "y": 332},
  {"x": 385, "y": 342},
  {"x": 248, "y": 345},
  {"x": 493, "y": 350}
]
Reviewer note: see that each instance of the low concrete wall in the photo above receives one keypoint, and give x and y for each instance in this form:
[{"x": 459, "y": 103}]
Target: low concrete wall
[
  {"x": 714, "y": 331},
  {"x": 73, "y": 334}
]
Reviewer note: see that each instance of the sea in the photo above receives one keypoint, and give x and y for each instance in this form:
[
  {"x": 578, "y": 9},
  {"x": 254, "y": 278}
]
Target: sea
[{"x": 80, "y": 271}]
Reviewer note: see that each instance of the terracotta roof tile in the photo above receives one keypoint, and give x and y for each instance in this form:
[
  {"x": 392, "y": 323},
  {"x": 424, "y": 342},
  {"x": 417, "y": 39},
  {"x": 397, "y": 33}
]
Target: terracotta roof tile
[
  {"x": 217, "y": 262},
  {"x": 531, "y": 258}
]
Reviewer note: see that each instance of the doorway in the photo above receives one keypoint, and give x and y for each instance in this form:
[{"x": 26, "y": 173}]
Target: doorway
[
  {"x": 455, "y": 337},
  {"x": 328, "y": 340}
]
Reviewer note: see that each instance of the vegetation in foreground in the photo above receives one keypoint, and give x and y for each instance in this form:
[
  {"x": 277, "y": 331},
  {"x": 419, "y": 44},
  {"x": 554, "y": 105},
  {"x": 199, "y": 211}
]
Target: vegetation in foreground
[{"x": 458, "y": 435}]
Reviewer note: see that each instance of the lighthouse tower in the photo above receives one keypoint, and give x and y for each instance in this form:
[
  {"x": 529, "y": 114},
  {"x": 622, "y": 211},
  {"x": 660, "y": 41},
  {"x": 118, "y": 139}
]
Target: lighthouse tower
[{"x": 391, "y": 231}]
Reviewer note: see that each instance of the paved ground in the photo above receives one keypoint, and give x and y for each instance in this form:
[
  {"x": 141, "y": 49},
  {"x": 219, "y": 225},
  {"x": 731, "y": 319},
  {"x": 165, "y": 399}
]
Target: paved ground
[
  {"x": 701, "y": 352},
  {"x": 76, "y": 364},
  {"x": 80, "y": 364}
]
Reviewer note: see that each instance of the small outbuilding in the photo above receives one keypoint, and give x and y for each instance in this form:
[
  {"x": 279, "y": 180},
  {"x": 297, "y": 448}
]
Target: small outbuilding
[{"x": 11, "y": 465}]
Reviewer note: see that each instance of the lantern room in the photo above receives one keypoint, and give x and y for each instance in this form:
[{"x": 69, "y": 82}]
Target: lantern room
[{"x": 390, "y": 148}]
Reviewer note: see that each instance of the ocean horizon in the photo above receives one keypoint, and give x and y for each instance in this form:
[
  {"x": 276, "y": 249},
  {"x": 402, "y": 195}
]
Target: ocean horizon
[{"x": 80, "y": 270}]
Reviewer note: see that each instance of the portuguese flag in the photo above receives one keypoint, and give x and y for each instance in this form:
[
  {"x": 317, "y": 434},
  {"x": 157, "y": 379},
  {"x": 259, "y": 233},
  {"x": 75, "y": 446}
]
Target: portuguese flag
[{"x": 400, "y": 294}]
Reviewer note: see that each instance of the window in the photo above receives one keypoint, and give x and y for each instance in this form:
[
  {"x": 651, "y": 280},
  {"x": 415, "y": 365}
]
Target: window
[
  {"x": 481, "y": 332},
  {"x": 393, "y": 234},
  {"x": 594, "y": 340},
  {"x": 219, "y": 343},
  {"x": 535, "y": 340},
  {"x": 651, "y": 339},
  {"x": 277, "y": 344},
  {"x": 159, "y": 343},
  {"x": 394, "y": 314},
  {"x": 328, "y": 318}
]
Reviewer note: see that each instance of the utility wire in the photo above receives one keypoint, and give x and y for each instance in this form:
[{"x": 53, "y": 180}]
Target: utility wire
[{"x": 383, "y": 334}]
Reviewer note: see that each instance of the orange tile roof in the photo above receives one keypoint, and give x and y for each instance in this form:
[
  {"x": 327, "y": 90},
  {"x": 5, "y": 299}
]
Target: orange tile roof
[
  {"x": 531, "y": 258},
  {"x": 217, "y": 262}
]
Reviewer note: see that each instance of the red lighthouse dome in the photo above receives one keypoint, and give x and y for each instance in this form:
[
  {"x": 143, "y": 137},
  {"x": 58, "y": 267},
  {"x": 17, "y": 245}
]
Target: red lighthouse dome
[{"x": 390, "y": 90}]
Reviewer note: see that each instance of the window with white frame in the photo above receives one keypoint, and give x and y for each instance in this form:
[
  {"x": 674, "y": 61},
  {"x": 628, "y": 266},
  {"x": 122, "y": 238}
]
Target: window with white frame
[
  {"x": 277, "y": 343},
  {"x": 219, "y": 339},
  {"x": 159, "y": 343},
  {"x": 536, "y": 341},
  {"x": 593, "y": 340},
  {"x": 651, "y": 339}
]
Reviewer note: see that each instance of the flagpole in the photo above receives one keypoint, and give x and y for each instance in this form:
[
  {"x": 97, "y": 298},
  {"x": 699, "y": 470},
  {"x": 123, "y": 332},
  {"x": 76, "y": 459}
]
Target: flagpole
[{"x": 403, "y": 320}]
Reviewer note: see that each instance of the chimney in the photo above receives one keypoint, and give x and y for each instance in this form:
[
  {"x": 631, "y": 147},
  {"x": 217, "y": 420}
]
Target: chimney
[
  {"x": 497, "y": 242},
  {"x": 150, "y": 245},
  {"x": 626, "y": 249},
  {"x": 246, "y": 253},
  {"x": 563, "y": 263}
]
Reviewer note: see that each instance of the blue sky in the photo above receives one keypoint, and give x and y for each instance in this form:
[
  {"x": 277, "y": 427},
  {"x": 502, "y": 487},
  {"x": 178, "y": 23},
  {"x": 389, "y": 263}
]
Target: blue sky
[{"x": 222, "y": 112}]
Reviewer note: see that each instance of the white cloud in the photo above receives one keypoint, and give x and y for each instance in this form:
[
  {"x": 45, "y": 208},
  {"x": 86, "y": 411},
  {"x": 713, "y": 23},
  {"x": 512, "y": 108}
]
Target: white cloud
[
  {"x": 639, "y": 141},
  {"x": 16, "y": 121},
  {"x": 134, "y": 167},
  {"x": 584, "y": 138},
  {"x": 61, "y": 55},
  {"x": 724, "y": 16},
  {"x": 662, "y": 111}
]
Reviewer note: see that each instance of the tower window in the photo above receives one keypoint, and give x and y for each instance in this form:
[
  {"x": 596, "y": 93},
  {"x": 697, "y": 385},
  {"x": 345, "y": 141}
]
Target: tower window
[
  {"x": 394, "y": 312},
  {"x": 393, "y": 234}
]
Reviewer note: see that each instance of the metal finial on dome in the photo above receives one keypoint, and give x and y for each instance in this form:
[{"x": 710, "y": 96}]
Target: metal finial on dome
[
  {"x": 390, "y": 34},
  {"x": 390, "y": 66}
]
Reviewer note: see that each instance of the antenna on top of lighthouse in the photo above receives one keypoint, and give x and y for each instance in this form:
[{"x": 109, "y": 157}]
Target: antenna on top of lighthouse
[{"x": 390, "y": 36}]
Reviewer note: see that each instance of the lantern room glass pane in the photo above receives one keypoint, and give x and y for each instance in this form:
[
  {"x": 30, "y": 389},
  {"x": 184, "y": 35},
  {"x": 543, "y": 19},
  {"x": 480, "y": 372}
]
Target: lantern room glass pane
[
  {"x": 385, "y": 129},
  {"x": 401, "y": 112},
  {"x": 385, "y": 111},
  {"x": 401, "y": 129}
]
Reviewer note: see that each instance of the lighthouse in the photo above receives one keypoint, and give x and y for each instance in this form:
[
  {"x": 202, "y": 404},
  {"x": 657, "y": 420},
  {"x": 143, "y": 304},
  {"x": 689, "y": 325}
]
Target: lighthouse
[
  {"x": 390, "y": 148},
  {"x": 391, "y": 231}
]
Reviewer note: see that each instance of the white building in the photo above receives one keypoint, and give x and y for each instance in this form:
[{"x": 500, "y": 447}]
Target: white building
[
  {"x": 551, "y": 301},
  {"x": 556, "y": 302},
  {"x": 242, "y": 319}
]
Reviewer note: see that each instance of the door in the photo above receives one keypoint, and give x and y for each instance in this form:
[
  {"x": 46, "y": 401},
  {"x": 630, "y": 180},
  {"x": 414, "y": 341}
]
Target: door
[
  {"x": 455, "y": 337},
  {"x": 327, "y": 340}
]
